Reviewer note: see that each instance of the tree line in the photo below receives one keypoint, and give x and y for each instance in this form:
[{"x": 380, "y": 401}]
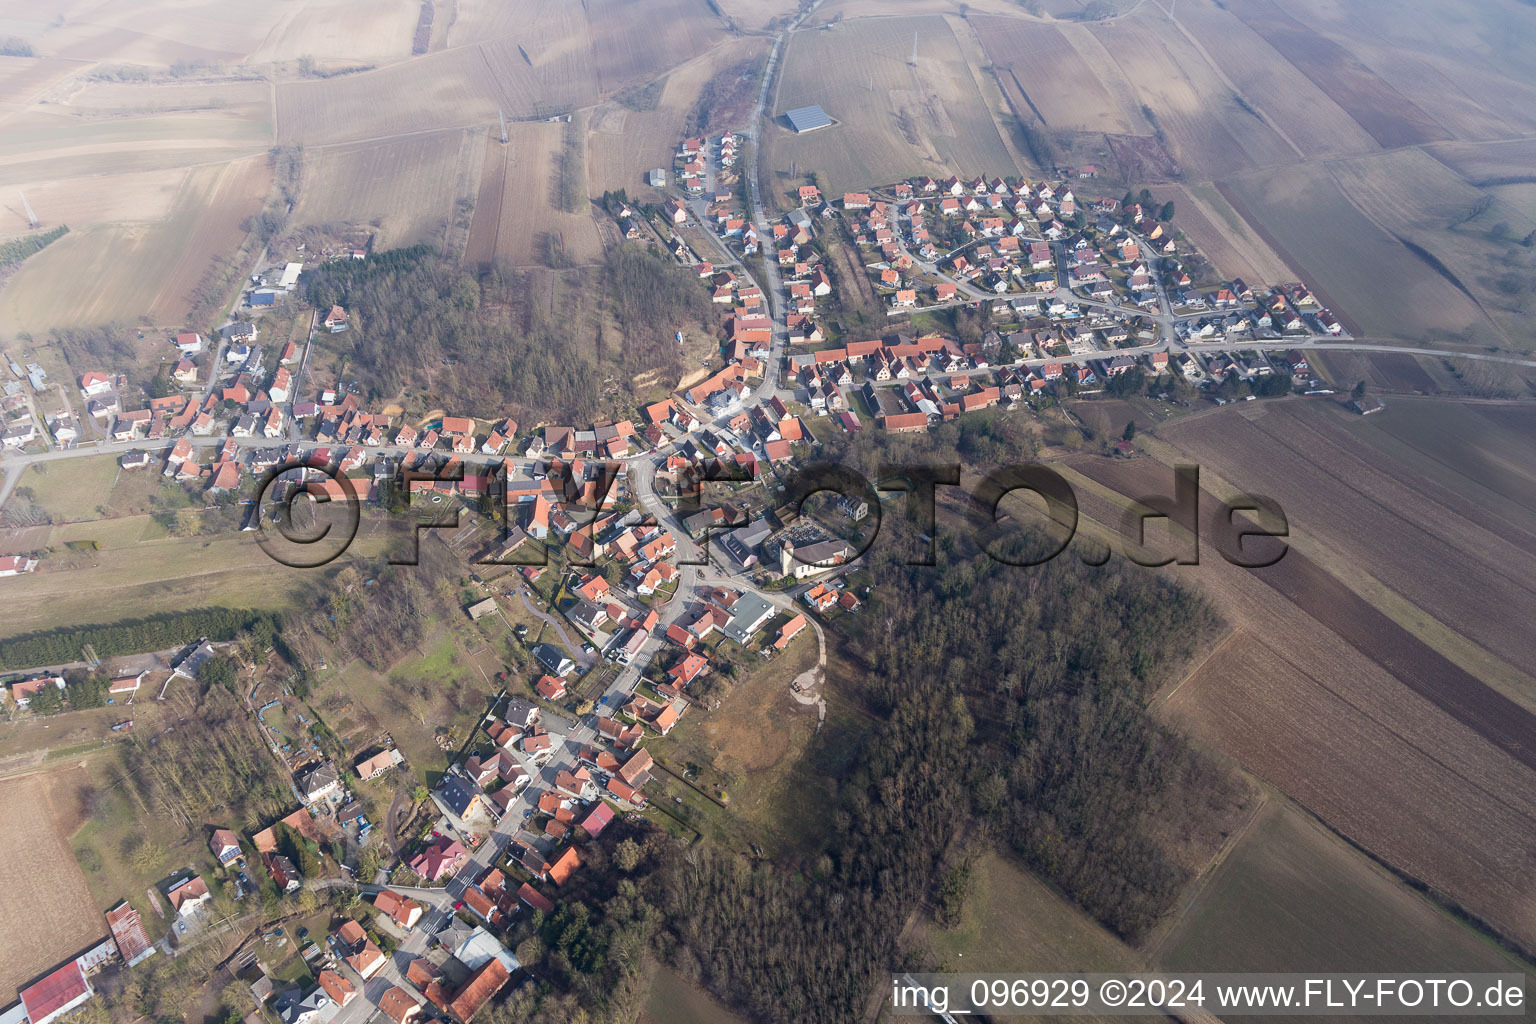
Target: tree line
[
  {"x": 129, "y": 636},
  {"x": 18, "y": 249}
]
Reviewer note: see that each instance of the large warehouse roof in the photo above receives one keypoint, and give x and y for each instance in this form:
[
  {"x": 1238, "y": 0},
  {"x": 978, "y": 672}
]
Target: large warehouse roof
[{"x": 808, "y": 119}]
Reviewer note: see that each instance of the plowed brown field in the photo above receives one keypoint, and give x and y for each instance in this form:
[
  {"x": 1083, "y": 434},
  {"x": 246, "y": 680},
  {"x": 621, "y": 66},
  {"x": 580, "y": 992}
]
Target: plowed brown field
[
  {"x": 1360, "y": 721},
  {"x": 46, "y": 911}
]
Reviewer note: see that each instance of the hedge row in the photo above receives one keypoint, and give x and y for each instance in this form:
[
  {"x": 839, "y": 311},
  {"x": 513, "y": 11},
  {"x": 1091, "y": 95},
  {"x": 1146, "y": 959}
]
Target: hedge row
[{"x": 130, "y": 636}]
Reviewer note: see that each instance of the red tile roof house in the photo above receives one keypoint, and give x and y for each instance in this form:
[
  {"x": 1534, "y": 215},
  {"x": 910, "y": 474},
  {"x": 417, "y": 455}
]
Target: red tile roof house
[
  {"x": 338, "y": 988},
  {"x": 478, "y": 990},
  {"x": 367, "y": 961},
  {"x": 594, "y": 823},
  {"x": 788, "y": 631},
  {"x": 128, "y": 932},
  {"x": 403, "y": 911},
  {"x": 187, "y": 896},
  {"x": 535, "y": 899},
  {"x": 15, "y": 565},
  {"x": 564, "y": 865},
  {"x": 439, "y": 860},
  {"x": 398, "y": 1005}
]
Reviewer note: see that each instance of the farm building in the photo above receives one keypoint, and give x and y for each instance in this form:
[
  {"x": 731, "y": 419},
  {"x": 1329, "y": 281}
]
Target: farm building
[
  {"x": 57, "y": 994},
  {"x": 808, "y": 119},
  {"x": 657, "y": 178}
]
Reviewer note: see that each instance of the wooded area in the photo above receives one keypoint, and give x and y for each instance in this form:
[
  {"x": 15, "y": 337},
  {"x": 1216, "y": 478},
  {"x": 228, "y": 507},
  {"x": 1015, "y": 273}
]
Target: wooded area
[{"x": 491, "y": 345}]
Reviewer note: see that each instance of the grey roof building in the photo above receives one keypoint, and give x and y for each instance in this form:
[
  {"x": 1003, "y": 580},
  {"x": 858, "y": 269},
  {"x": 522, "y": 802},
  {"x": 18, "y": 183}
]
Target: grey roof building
[
  {"x": 808, "y": 119},
  {"x": 747, "y": 617},
  {"x": 554, "y": 659}
]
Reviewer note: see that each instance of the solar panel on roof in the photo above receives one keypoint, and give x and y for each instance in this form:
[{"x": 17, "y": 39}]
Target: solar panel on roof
[{"x": 805, "y": 119}]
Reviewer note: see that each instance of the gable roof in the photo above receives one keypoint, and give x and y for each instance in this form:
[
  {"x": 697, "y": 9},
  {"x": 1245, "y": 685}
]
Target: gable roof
[
  {"x": 480, "y": 987},
  {"x": 594, "y": 823},
  {"x": 397, "y": 1004},
  {"x": 560, "y": 871}
]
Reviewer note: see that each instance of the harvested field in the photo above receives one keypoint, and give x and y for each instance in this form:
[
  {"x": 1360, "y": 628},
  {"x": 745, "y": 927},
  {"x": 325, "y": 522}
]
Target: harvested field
[
  {"x": 1106, "y": 417},
  {"x": 517, "y": 217},
  {"x": 1288, "y": 97},
  {"x": 24, "y": 79},
  {"x": 1292, "y": 896},
  {"x": 144, "y": 196},
  {"x": 159, "y": 32},
  {"x": 625, "y": 143},
  {"x": 756, "y": 14},
  {"x": 98, "y": 99},
  {"x": 206, "y": 32},
  {"x": 1359, "y": 721},
  {"x": 138, "y": 269},
  {"x": 340, "y": 30},
  {"x": 1390, "y": 117},
  {"x": 1195, "y": 111},
  {"x": 1399, "y": 372},
  {"x": 626, "y": 47},
  {"x": 452, "y": 89},
  {"x": 1468, "y": 70},
  {"x": 552, "y": 58},
  {"x": 613, "y": 40},
  {"x": 46, "y": 911},
  {"x": 1063, "y": 89},
  {"x": 223, "y": 198},
  {"x": 1483, "y": 452},
  {"x": 1489, "y": 163},
  {"x": 40, "y": 146},
  {"x": 834, "y": 10},
  {"x": 1448, "y": 223},
  {"x": 1228, "y": 241},
  {"x": 1361, "y": 272},
  {"x": 1429, "y": 545},
  {"x": 893, "y": 120},
  {"x": 408, "y": 187}
]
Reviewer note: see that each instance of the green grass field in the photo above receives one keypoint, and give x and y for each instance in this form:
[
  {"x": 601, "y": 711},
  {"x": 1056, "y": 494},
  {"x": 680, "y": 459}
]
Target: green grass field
[
  {"x": 1013, "y": 922},
  {"x": 455, "y": 683},
  {"x": 154, "y": 576},
  {"x": 674, "y": 1001},
  {"x": 73, "y": 490},
  {"x": 124, "y": 849},
  {"x": 762, "y": 749},
  {"x": 1293, "y": 897}
]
